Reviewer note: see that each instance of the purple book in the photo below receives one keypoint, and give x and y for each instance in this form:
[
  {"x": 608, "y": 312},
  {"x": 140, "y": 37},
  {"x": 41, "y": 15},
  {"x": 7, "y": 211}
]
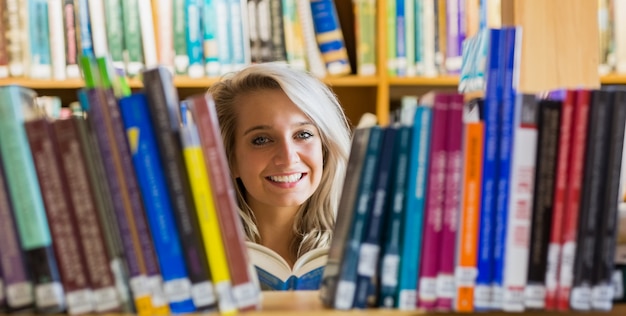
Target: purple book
[
  {"x": 451, "y": 203},
  {"x": 434, "y": 201}
]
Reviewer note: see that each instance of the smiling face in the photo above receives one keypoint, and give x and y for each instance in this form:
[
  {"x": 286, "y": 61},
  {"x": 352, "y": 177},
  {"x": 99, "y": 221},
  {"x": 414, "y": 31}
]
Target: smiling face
[{"x": 278, "y": 150}]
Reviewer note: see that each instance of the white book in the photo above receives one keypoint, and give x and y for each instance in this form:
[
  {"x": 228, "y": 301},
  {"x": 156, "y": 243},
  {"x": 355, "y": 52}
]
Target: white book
[
  {"x": 619, "y": 35},
  {"x": 98, "y": 28},
  {"x": 57, "y": 40},
  {"x": 428, "y": 38},
  {"x": 147, "y": 33},
  {"x": 239, "y": 41},
  {"x": 164, "y": 32},
  {"x": 313, "y": 55}
]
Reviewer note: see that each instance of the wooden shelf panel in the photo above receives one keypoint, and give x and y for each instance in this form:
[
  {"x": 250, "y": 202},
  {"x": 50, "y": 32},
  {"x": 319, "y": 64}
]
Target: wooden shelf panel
[
  {"x": 424, "y": 81},
  {"x": 613, "y": 79}
]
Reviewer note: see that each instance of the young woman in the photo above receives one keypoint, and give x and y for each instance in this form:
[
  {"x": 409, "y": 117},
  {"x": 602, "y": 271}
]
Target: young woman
[{"x": 287, "y": 141}]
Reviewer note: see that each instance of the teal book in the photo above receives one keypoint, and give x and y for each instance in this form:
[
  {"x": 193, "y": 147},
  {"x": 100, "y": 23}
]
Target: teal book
[{"x": 275, "y": 274}]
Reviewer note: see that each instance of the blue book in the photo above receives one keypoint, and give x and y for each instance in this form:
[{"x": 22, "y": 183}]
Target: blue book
[
  {"x": 369, "y": 251},
  {"x": 507, "y": 113},
  {"x": 392, "y": 240},
  {"x": 210, "y": 38},
  {"x": 483, "y": 292},
  {"x": 401, "y": 62},
  {"x": 346, "y": 288},
  {"x": 84, "y": 25},
  {"x": 275, "y": 274},
  {"x": 157, "y": 203},
  {"x": 329, "y": 37},
  {"x": 194, "y": 38},
  {"x": 414, "y": 205},
  {"x": 39, "y": 39}
]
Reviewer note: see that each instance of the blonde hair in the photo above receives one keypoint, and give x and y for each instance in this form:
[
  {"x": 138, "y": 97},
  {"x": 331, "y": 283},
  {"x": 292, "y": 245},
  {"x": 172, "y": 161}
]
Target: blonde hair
[{"x": 315, "y": 219}]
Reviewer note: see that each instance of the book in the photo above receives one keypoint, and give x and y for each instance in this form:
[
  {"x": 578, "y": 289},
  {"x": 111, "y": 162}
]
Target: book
[
  {"x": 245, "y": 289},
  {"x": 276, "y": 274},
  {"x": 4, "y": 52},
  {"x": 329, "y": 37},
  {"x": 330, "y": 279},
  {"x": 164, "y": 114},
  {"x": 71, "y": 39},
  {"x": 133, "y": 47},
  {"x": 193, "y": 37},
  {"x": 113, "y": 17},
  {"x": 27, "y": 201},
  {"x": 38, "y": 52}
]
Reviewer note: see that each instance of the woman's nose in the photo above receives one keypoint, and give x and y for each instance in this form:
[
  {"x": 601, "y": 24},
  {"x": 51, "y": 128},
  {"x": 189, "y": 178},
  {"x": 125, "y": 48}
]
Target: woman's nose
[{"x": 287, "y": 153}]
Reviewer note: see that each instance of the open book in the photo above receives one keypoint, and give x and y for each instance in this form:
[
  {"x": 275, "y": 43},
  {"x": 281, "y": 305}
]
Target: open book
[{"x": 275, "y": 274}]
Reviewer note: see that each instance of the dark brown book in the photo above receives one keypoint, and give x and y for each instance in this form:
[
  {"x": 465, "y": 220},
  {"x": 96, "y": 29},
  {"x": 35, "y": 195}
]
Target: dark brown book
[
  {"x": 4, "y": 43},
  {"x": 72, "y": 167},
  {"x": 65, "y": 240},
  {"x": 245, "y": 289},
  {"x": 104, "y": 207},
  {"x": 164, "y": 113},
  {"x": 13, "y": 274},
  {"x": 277, "y": 43}
]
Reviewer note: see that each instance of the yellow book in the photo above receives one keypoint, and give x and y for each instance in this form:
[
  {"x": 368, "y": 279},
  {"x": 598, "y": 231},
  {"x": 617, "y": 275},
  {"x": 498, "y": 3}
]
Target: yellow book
[{"x": 207, "y": 218}]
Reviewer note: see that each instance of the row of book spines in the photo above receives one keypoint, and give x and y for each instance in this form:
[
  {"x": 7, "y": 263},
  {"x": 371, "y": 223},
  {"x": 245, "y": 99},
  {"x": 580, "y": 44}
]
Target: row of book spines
[{"x": 206, "y": 43}]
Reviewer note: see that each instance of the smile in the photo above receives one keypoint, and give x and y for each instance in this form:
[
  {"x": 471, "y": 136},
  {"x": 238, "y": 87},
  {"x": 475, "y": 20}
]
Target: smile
[{"x": 286, "y": 179}]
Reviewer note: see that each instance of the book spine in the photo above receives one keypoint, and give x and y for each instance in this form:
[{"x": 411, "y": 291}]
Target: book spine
[
  {"x": 541, "y": 221},
  {"x": 224, "y": 36},
  {"x": 194, "y": 38},
  {"x": 27, "y": 201},
  {"x": 84, "y": 26},
  {"x": 392, "y": 228},
  {"x": 328, "y": 287},
  {"x": 114, "y": 31},
  {"x": 16, "y": 37},
  {"x": 57, "y": 39},
  {"x": 410, "y": 35},
  {"x": 433, "y": 216},
  {"x": 210, "y": 38},
  {"x": 555, "y": 246},
  {"x": 181, "y": 59},
  {"x": 16, "y": 282},
  {"x": 454, "y": 35},
  {"x": 4, "y": 51},
  {"x": 240, "y": 49},
  {"x": 163, "y": 20},
  {"x": 603, "y": 288},
  {"x": 60, "y": 216},
  {"x": 254, "y": 30},
  {"x": 590, "y": 207},
  {"x": 245, "y": 291},
  {"x": 414, "y": 209},
  {"x": 483, "y": 292},
  {"x": 370, "y": 248},
  {"x": 98, "y": 27},
  {"x": 312, "y": 52},
  {"x": 293, "y": 35},
  {"x": 158, "y": 206},
  {"x": 104, "y": 207},
  {"x": 96, "y": 260},
  {"x": 148, "y": 36},
  {"x": 400, "y": 34},
  {"x": 277, "y": 30},
  {"x": 39, "y": 41},
  {"x": 71, "y": 47},
  {"x": 133, "y": 48},
  {"x": 419, "y": 38},
  {"x": 164, "y": 114},
  {"x": 517, "y": 241},
  {"x": 469, "y": 216},
  {"x": 346, "y": 287},
  {"x": 573, "y": 203},
  {"x": 207, "y": 217},
  {"x": 452, "y": 202},
  {"x": 390, "y": 23},
  {"x": 329, "y": 37}
]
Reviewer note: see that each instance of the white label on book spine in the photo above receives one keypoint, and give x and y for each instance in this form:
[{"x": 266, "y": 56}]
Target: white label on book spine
[
  {"x": 368, "y": 258},
  {"x": 602, "y": 297},
  {"x": 618, "y": 286},
  {"x": 345, "y": 294},
  {"x": 513, "y": 299},
  {"x": 535, "y": 296},
  {"x": 465, "y": 276},
  {"x": 106, "y": 299},
  {"x": 20, "y": 294},
  {"x": 552, "y": 267},
  {"x": 428, "y": 289},
  {"x": 79, "y": 302},
  {"x": 49, "y": 294},
  {"x": 156, "y": 291},
  {"x": 202, "y": 294},
  {"x": 566, "y": 277},
  {"x": 389, "y": 273},
  {"x": 482, "y": 296},
  {"x": 225, "y": 298},
  {"x": 246, "y": 295},
  {"x": 497, "y": 297},
  {"x": 408, "y": 300},
  {"x": 177, "y": 290},
  {"x": 120, "y": 283},
  {"x": 4, "y": 72},
  {"x": 580, "y": 298},
  {"x": 139, "y": 286},
  {"x": 445, "y": 286}
]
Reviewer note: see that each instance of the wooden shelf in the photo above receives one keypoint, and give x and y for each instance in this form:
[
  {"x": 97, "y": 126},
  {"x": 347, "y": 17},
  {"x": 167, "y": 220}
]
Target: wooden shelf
[
  {"x": 613, "y": 79},
  {"x": 308, "y": 303},
  {"x": 424, "y": 81}
]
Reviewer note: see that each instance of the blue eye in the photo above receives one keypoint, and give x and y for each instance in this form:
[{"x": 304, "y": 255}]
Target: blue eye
[
  {"x": 260, "y": 140},
  {"x": 304, "y": 135}
]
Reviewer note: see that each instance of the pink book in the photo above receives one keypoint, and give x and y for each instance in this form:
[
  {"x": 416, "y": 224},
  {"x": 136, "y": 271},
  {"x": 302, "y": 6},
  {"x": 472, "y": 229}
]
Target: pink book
[
  {"x": 451, "y": 204},
  {"x": 435, "y": 191}
]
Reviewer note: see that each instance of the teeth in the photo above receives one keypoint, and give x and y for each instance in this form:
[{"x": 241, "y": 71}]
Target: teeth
[{"x": 287, "y": 179}]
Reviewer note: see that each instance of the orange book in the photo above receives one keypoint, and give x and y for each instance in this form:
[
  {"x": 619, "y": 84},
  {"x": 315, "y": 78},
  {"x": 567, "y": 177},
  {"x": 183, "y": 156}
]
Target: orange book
[{"x": 469, "y": 216}]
